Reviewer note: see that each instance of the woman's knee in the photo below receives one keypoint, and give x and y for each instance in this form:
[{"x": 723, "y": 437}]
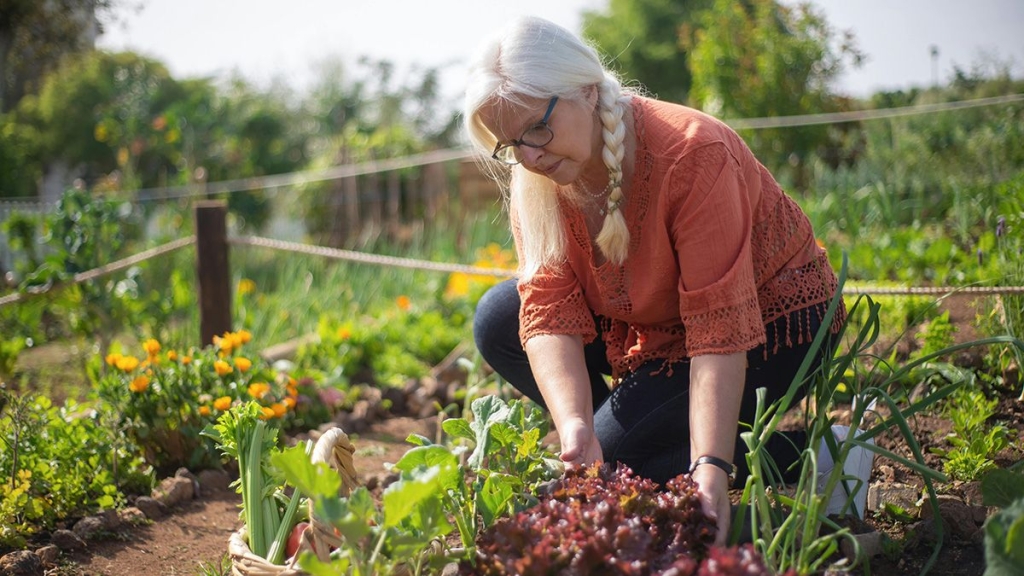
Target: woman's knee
[{"x": 497, "y": 317}]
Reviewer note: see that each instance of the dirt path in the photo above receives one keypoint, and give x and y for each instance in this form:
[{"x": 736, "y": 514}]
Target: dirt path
[{"x": 197, "y": 533}]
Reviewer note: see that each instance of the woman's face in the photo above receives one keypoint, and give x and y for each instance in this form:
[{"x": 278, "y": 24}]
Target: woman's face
[{"x": 572, "y": 151}]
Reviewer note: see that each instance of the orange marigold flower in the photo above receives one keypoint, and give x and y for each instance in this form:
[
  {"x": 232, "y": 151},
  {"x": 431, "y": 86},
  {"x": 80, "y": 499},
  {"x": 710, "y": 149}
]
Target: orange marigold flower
[
  {"x": 292, "y": 391},
  {"x": 819, "y": 243},
  {"x": 222, "y": 403},
  {"x": 267, "y": 413},
  {"x": 127, "y": 363},
  {"x": 243, "y": 364},
  {"x": 258, "y": 389},
  {"x": 112, "y": 358},
  {"x": 244, "y": 336},
  {"x": 186, "y": 359},
  {"x": 289, "y": 402},
  {"x": 151, "y": 346},
  {"x": 139, "y": 384},
  {"x": 222, "y": 368},
  {"x": 403, "y": 302},
  {"x": 204, "y": 410},
  {"x": 172, "y": 355},
  {"x": 344, "y": 333},
  {"x": 224, "y": 344},
  {"x": 279, "y": 409}
]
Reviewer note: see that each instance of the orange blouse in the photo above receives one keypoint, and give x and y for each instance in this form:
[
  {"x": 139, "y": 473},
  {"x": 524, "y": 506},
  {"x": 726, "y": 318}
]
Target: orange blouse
[{"x": 717, "y": 252}]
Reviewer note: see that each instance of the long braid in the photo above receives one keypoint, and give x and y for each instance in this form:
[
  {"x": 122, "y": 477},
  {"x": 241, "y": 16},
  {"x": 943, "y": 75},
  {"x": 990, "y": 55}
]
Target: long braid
[{"x": 614, "y": 237}]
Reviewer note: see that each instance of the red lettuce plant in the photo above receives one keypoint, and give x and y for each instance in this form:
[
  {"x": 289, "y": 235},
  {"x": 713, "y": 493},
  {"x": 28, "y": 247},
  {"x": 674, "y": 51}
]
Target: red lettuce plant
[{"x": 599, "y": 520}]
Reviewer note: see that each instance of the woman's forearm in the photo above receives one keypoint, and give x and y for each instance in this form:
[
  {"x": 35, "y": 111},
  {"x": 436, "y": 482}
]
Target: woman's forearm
[
  {"x": 561, "y": 373},
  {"x": 716, "y": 390}
]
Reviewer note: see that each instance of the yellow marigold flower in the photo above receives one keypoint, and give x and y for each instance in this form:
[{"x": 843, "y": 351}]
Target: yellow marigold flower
[
  {"x": 458, "y": 285},
  {"x": 222, "y": 368},
  {"x": 139, "y": 384},
  {"x": 344, "y": 333},
  {"x": 244, "y": 336},
  {"x": 243, "y": 364},
  {"x": 289, "y": 402},
  {"x": 204, "y": 410},
  {"x": 172, "y": 355},
  {"x": 246, "y": 286},
  {"x": 279, "y": 409},
  {"x": 403, "y": 302},
  {"x": 267, "y": 414},
  {"x": 127, "y": 363},
  {"x": 112, "y": 358},
  {"x": 224, "y": 343},
  {"x": 151, "y": 346},
  {"x": 222, "y": 403},
  {"x": 259, "y": 389}
]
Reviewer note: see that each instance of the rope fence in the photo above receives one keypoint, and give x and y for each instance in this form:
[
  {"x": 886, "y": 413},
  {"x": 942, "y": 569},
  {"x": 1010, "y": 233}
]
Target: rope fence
[{"x": 450, "y": 268}]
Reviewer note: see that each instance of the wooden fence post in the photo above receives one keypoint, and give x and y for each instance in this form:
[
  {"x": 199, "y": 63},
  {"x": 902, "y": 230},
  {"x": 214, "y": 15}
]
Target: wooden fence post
[{"x": 212, "y": 271}]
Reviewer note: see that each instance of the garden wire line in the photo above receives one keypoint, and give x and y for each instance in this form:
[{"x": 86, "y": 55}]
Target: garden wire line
[{"x": 416, "y": 264}]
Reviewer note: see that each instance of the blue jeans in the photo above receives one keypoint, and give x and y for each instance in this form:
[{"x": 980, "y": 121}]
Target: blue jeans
[{"x": 645, "y": 421}]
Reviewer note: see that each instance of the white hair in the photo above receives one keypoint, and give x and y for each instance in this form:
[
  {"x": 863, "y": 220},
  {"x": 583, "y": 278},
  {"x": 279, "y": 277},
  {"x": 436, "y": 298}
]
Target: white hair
[{"x": 537, "y": 59}]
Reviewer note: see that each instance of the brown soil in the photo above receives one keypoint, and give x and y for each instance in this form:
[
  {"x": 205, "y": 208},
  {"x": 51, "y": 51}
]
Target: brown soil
[{"x": 197, "y": 533}]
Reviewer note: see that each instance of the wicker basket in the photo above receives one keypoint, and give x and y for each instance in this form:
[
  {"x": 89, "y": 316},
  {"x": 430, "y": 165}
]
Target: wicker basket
[{"x": 336, "y": 450}]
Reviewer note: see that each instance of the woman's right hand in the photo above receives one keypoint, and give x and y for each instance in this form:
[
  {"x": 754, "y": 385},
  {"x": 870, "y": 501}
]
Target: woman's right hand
[{"x": 579, "y": 444}]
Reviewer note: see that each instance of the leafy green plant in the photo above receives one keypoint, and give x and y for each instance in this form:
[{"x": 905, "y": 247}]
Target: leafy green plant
[
  {"x": 61, "y": 462},
  {"x": 974, "y": 442},
  {"x": 786, "y": 529}
]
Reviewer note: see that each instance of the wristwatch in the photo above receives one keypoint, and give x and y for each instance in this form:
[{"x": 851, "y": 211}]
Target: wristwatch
[{"x": 728, "y": 467}]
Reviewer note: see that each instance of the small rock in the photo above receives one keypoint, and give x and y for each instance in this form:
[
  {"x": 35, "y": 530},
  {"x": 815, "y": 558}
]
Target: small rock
[
  {"x": 21, "y": 563},
  {"x": 152, "y": 508},
  {"x": 66, "y": 540},
  {"x": 870, "y": 544},
  {"x": 174, "y": 491},
  {"x": 903, "y": 495},
  {"x": 111, "y": 520},
  {"x": 186, "y": 473},
  {"x": 132, "y": 516},
  {"x": 956, "y": 515},
  {"x": 214, "y": 481},
  {"x": 450, "y": 569},
  {"x": 48, "y": 555},
  {"x": 88, "y": 527},
  {"x": 888, "y": 473}
]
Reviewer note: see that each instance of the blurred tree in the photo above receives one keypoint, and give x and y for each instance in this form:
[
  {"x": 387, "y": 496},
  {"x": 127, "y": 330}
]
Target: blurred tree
[
  {"x": 642, "y": 40},
  {"x": 36, "y": 34},
  {"x": 98, "y": 113},
  {"x": 761, "y": 58}
]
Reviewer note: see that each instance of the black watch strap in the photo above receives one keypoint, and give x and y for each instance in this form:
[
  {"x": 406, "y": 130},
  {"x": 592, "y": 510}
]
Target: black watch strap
[{"x": 728, "y": 467}]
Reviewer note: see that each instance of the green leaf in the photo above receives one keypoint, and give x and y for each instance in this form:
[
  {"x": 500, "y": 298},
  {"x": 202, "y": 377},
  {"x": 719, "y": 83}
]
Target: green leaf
[
  {"x": 313, "y": 480},
  {"x": 352, "y": 516},
  {"x": 495, "y": 495},
  {"x": 405, "y": 497},
  {"x": 505, "y": 434},
  {"x": 1004, "y": 541},
  {"x": 1001, "y": 488},
  {"x": 458, "y": 428},
  {"x": 418, "y": 440},
  {"x": 450, "y": 473}
]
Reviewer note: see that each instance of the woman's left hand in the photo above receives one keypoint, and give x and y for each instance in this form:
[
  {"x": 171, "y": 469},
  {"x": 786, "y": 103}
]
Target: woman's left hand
[{"x": 714, "y": 498}]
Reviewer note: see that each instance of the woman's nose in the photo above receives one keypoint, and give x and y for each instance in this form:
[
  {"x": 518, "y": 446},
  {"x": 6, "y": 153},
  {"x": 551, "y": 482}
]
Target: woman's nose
[{"x": 530, "y": 155}]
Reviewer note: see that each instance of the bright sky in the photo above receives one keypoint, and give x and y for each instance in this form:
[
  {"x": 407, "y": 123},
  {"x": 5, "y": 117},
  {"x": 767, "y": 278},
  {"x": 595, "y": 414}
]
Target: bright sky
[{"x": 275, "y": 39}]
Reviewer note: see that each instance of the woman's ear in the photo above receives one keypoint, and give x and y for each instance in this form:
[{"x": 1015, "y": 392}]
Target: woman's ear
[{"x": 592, "y": 95}]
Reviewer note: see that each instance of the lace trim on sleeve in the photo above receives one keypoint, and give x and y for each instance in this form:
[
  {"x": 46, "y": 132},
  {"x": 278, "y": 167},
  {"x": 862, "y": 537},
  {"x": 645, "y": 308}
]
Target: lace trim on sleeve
[
  {"x": 735, "y": 328},
  {"x": 567, "y": 315}
]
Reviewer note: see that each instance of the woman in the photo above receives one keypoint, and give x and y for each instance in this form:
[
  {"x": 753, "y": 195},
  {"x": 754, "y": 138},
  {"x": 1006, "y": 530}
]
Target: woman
[{"x": 653, "y": 248}]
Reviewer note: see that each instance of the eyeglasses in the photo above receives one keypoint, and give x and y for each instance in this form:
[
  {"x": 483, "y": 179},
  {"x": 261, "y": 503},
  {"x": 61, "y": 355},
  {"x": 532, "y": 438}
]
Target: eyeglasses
[{"x": 537, "y": 136}]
